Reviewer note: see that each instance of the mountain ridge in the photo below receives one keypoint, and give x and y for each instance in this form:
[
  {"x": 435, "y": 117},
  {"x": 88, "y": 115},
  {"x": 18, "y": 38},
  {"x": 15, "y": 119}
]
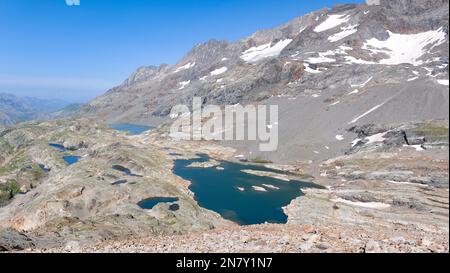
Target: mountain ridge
[
  {"x": 15, "y": 109},
  {"x": 212, "y": 52}
]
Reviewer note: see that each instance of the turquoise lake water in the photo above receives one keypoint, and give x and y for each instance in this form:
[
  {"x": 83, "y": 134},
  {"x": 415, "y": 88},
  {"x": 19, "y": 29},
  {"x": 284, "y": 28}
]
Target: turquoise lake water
[
  {"x": 71, "y": 159},
  {"x": 131, "y": 129},
  {"x": 58, "y": 146},
  {"x": 230, "y": 192}
]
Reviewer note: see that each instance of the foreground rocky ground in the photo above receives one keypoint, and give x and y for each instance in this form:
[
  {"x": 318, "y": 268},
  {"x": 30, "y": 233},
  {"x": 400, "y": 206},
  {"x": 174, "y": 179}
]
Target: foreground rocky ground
[
  {"x": 54, "y": 203},
  {"x": 279, "y": 238},
  {"x": 382, "y": 195}
]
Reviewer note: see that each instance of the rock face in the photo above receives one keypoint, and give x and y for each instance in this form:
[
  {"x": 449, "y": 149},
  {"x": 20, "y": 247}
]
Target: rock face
[
  {"x": 11, "y": 240},
  {"x": 352, "y": 65}
]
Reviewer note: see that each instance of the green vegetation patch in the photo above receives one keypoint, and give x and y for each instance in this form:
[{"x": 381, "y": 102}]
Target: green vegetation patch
[
  {"x": 260, "y": 160},
  {"x": 433, "y": 132},
  {"x": 7, "y": 191}
]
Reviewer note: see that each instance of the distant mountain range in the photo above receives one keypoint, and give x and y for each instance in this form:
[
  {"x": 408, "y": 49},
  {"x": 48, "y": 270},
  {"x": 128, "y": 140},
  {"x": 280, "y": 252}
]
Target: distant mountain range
[{"x": 15, "y": 109}]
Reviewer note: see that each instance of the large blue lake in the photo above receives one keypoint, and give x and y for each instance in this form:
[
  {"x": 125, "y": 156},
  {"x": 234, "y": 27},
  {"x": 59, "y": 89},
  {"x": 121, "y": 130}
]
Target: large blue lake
[
  {"x": 231, "y": 192},
  {"x": 131, "y": 129}
]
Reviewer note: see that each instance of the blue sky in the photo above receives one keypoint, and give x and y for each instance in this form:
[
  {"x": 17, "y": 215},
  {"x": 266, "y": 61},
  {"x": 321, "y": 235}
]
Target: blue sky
[{"x": 51, "y": 50}]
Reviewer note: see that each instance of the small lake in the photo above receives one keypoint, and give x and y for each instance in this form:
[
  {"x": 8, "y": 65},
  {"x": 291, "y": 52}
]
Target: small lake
[
  {"x": 151, "y": 202},
  {"x": 124, "y": 170},
  {"x": 241, "y": 197},
  {"x": 131, "y": 129},
  {"x": 71, "y": 159},
  {"x": 58, "y": 146}
]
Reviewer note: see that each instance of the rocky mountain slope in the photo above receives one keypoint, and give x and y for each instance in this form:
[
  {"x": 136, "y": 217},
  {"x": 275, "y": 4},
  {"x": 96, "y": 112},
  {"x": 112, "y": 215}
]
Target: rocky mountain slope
[
  {"x": 328, "y": 71},
  {"x": 16, "y": 109}
]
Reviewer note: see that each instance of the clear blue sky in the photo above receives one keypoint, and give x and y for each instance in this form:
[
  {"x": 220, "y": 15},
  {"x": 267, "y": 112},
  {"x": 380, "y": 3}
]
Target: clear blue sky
[{"x": 51, "y": 50}]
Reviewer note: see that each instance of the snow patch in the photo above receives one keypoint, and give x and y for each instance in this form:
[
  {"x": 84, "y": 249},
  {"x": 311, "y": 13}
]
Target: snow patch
[
  {"x": 346, "y": 31},
  {"x": 443, "y": 82},
  {"x": 353, "y": 60},
  {"x": 184, "y": 84},
  {"x": 309, "y": 69},
  {"x": 417, "y": 147},
  {"x": 257, "y": 53},
  {"x": 371, "y": 205},
  {"x": 219, "y": 71},
  {"x": 332, "y": 21},
  {"x": 376, "y": 138},
  {"x": 356, "y": 91},
  {"x": 185, "y": 67},
  {"x": 356, "y": 141},
  {"x": 429, "y": 71},
  {"x": 407, "y": 183},
  {"x": 320, "y": 59},
  {"x": 324, "y": 57},
  {"x": 179, "y": 115},
  {"x": 406, "y": 48},
  {"x": 362, "y": 84},
  {"x": 366, "y": 113}
]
